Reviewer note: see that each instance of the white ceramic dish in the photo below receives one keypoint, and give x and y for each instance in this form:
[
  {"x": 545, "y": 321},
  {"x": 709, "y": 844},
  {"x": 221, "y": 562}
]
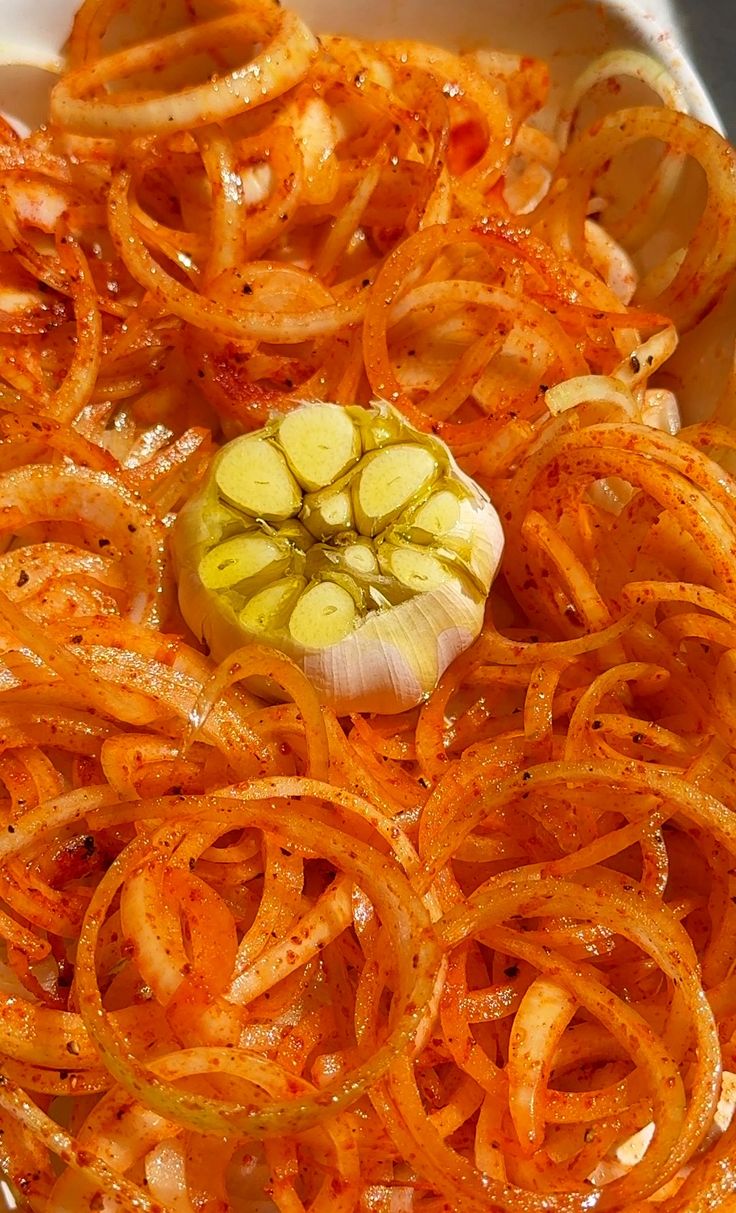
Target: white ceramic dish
[{"x": 568, "y": 35}]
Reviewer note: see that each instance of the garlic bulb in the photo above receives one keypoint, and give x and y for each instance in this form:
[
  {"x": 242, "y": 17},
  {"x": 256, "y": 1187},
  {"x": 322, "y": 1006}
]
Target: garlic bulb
[{"x": 346, "y": 539}]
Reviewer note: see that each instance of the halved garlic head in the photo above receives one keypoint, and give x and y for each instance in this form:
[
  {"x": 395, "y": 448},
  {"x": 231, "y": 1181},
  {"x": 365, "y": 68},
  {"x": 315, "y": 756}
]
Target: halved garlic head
[{"x": 346, "y": 539}]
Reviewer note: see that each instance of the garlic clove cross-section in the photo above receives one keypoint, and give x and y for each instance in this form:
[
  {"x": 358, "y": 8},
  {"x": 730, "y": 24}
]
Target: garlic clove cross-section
[{"x": 346, "y": 539}]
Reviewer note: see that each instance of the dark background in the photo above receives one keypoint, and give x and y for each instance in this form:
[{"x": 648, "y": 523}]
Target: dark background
[{"x": 710, "y": 32}]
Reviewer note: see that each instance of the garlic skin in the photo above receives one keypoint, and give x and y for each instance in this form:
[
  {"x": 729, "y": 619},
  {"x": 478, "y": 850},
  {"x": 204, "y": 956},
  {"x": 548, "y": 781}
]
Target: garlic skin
[
  {"x": 397, "y": 657},
  {"x": 397, "y": 639}
]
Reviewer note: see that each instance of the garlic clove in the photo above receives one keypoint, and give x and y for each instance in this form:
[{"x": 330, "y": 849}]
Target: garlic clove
[
  {"x": 329, "y": 514},
  {"x": 320, "y": 444},
  {"x": 437, "y": 516},
  {"x": 254, "y": 476},
  {"x": 324, "y": 614},
  {"x": 388, "y": 481},
  {"x": 242, "y": 559},
  {"x": 270, "y": 608},
  {"x": 359, "y": 558},
  {"x": 414, "y": 567}
]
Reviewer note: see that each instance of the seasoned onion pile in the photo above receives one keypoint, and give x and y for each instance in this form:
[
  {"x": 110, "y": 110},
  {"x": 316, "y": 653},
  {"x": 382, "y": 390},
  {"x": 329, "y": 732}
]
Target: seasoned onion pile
[{"x": 257, "y": 955}]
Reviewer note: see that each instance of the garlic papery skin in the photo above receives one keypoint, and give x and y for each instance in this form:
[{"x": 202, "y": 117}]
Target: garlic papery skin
[
  {"x": 372, "y": 583},
  {"x": 396, "y": 657}
]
